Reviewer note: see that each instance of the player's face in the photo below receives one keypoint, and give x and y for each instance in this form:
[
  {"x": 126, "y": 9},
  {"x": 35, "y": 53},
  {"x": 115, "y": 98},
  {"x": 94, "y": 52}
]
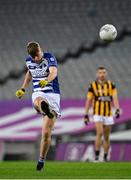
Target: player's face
[
  {"x": 102, "y": 74},
  {"x": 38, "y": 57}
]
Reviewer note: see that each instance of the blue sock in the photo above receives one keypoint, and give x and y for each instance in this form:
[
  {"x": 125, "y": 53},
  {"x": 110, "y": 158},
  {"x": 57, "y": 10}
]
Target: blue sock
[{"x": 41, "y": 160}]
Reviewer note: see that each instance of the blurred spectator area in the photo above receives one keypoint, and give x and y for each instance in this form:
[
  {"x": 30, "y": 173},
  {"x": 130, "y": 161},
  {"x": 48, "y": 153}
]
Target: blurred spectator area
[{"x": 63, "y": 27}]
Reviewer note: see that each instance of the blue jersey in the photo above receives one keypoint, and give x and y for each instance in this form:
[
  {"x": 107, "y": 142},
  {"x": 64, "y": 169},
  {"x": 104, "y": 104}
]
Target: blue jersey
[{"x": 40, "y": 71}]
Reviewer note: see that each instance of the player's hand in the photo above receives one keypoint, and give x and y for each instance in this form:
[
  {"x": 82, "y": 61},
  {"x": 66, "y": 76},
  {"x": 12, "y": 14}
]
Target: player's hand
[
  {"x": 86, "y": 119},
  {"x": 117, "y": 113},
  {"x": 43, "y": 83},
  {"x": 19, "y": 93}
]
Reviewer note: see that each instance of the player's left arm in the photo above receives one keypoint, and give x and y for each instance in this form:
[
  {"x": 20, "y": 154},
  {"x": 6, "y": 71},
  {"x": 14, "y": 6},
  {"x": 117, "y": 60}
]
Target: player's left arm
[
  {"x": 52, "y": 71},
  {"x": 52, "y": 68},
  {"x": 115, "y": 101},
  {"x": 52, "y": 75}
]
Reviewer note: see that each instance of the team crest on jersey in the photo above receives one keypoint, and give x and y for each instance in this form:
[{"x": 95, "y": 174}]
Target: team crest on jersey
[
  {"x": 39, "y": 69},
  {"x": 52, "y": 59},
  {"x": 101, "y": 91}
]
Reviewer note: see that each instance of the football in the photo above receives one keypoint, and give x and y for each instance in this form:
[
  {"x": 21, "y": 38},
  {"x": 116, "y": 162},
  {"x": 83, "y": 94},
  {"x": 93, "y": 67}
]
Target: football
[{"x": 108, "y": 32}]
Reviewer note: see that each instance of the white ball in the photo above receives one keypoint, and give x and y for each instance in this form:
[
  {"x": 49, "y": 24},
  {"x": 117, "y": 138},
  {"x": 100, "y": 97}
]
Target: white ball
[{"x": 108, "y": 32}]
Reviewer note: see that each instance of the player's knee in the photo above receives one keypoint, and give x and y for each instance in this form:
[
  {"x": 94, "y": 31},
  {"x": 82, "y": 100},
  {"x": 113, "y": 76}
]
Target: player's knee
[
  {"x": 106, "y": 138},
  {"x": 99, "y": 133},
  {"x": 38, "y": 101}
]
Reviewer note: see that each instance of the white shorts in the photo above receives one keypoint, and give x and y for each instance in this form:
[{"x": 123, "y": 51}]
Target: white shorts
[
  {"x": 107, "y": 120},
  {"x": 52, "y": 99}
]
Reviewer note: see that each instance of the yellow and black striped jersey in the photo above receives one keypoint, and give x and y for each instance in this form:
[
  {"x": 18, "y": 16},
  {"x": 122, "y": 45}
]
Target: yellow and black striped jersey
[{"x": 102, "y": 97}]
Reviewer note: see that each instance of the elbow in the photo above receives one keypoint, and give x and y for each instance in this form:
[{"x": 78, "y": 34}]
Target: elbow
[{"x": 55, "y": 75}]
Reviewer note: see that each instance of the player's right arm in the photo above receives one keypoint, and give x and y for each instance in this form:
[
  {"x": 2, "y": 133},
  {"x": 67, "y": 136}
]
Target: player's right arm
[
  {"x": 89, "y": 99},
  {"x": 19, "y": 93}
]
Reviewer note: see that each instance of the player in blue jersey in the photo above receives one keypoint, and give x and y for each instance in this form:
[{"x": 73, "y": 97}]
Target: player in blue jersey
[{"x": 42, "y": 70}]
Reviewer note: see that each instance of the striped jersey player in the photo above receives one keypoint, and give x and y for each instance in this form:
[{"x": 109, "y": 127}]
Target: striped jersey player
[
  {"x": 102, "y": 93},
  {"x": 42, "y": 71}
]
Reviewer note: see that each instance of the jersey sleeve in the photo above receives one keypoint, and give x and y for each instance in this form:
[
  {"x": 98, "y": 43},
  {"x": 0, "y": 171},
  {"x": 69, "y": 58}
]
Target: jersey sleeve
[
  {"x": 90, "y": 93},
  {"x": 51, "y": 60},
  {"x": 28, "y": 60}
]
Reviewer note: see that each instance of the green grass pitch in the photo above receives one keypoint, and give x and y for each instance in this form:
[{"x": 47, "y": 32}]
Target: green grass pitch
[{"x": 65, "y": 170}]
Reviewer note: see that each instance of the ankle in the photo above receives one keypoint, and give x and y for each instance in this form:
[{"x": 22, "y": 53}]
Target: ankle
[
  {"x": 105, "y": 156},
  {"x": 97, "y": 154},
  {"x": 41, "y": 160}
]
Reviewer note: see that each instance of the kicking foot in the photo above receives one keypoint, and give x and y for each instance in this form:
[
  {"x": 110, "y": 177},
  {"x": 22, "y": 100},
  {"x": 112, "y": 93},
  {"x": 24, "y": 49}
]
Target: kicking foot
[{"x": 45, "y": 108}]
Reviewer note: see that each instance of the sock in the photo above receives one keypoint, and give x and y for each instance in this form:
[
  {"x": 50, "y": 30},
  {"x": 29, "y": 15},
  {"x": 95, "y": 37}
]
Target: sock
[
  {"x": 105, "y": 156},
  {"x": 97, "y": 154},
  {"x": 41, "y": 160}
]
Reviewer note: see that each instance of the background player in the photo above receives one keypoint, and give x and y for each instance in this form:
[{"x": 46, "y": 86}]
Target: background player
[
  {"x": 101, "y": 92},
  {"x": 42, "y": 70}
]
